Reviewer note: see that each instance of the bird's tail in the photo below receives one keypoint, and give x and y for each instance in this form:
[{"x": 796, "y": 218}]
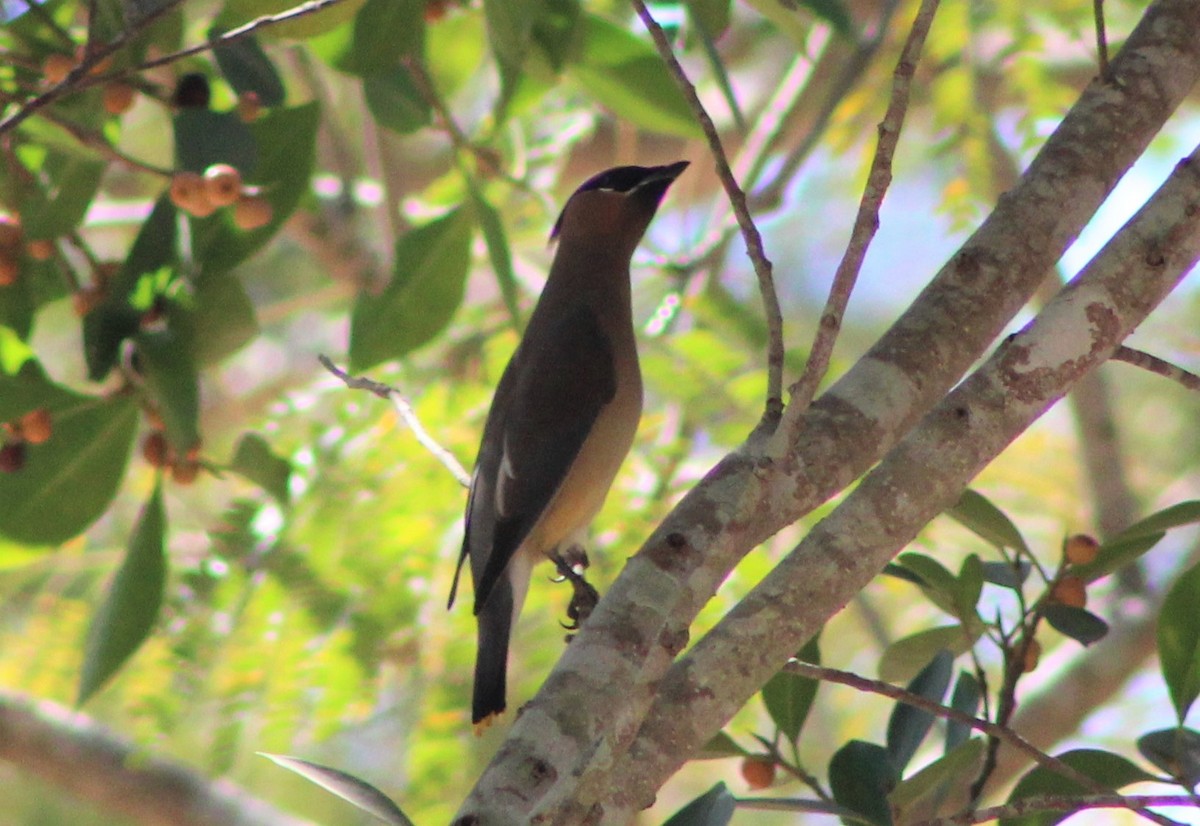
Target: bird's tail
[{"x": 491, "y": 662}]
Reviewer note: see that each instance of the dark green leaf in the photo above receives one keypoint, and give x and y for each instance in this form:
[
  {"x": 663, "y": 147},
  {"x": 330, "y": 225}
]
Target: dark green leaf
[
  {"x": 626, "y": 75},
  {"x": 255, "y": 460},
  {"x": 219, "y": 320},
  {"x": 426, "y": 288},
  {"x": 385, "y": 32},
  {"x": 712, "y": 16},
  {"x": 1111, "y": 770},
  {"x": 498, "y": 251},
  {"x": 128, "y": 613},
  {"x": 909, "y": 725},
  {"x": 155, "y": 247},
  {"x": 920, "y": 796},
  {"x": 900, "y": 572},
  {"x": 1079, "y": 624},
  {"x": 713, "y": 808},
  {"x": 788, "y": 697},
  {"x": 970, "y": 585},
  {"x": 70, "y": 480},
  {"x": 1183, "y": 513},
  {"x": 395, "y": 101},
  {"x": 509, "y": 27},
  {"x": 966, "y": 697},
  {"x": 204, "y": 137},
  {"x": 58, "y": 207},
  {"x": 346, "y": 786},
  {"x": 861, "y": 777},
  {"x": 1005, "y": 575},
  {"x": 978, "y": 515},
  {"x": 1179, "y": 641},
  {"x": 1175, "y": 751},
  {"x": 104, "y": 328},
  {"x": 248, "y": 69},
  {"x": 834, "y": 13},
  {"x": 905, "y": 658},
  {"x": 720, "y": 746},
  {"x": 939, "y": 585},
  {"x": 171, "y": 379}
]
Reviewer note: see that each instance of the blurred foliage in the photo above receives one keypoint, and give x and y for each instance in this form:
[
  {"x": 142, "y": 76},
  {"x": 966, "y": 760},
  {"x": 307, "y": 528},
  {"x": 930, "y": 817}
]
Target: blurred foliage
[{"x": 395, "y": 168}]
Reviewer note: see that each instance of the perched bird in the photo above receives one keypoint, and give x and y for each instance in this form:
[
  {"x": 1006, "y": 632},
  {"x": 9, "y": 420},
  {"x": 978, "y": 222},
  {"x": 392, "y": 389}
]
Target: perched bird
[{"x": 564, "y": 414}]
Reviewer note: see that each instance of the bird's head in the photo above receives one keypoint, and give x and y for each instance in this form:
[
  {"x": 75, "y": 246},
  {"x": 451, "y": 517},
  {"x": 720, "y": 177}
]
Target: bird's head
[{"x": 616, "y": 205}]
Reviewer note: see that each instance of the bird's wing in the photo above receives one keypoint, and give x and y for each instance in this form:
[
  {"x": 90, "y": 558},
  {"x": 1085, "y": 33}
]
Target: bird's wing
[{"x": 559, "y": 386}]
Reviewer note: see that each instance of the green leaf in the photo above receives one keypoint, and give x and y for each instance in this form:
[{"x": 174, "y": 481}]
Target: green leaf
[
  {"x": 255, "y": 460},
  {"x": 909, "y": 725},
  {"x": 920, "y": 796},
  {"x": 385, "y": 32},
  {"x": 499, "y": 253},
  {"x": 966, "y": 697},
  {"x": 509, "y": 27},
  {"x": 346, "y": 786},
  {"x": 626, "y": 75},
  {"x": 788, "y": 697},
  {"x": 219, "y": 319},
  {"x": 128, "y": 613},
  {"x": 1179, "y": 641},
  {"x": 1175, "y": 516},
  {"x": 713, "y": 808},
  {"x": 938, "y": 584},
  {"x": 1111, "y": 770},
  {"x": 70, "y": 480},
  {"x": 395, "y": 101},
  {"x": 172, "y": 381},
  {"x": 58, "y": 207},
  {"x": 712, "y": 16},
  {"x": 978, "y": 515},
  {"x": 248, "y": 69},
  {"x": 1116, "y": 554},
  {"x": 1005, "y": 575},
  {"x": 970, "y": 585},
  {"x": 905, "y": 658},
  {"x": 861, "y": 777},
  {"x": 1174, "y": 750},
  {"x": 427, "y": 287},
  {"x": 721, "y": 746},
  {"x": 833, "y": 13},
  {"x": 1077, "y": 623},
  {"x": 204, "y": 137}
]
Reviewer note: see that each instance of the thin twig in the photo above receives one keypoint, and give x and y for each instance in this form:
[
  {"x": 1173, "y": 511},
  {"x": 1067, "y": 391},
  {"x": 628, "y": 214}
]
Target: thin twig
[
  {"x": 1061, "y": 803},
  {"x": 834, "y": 675},
  {"x": 1154, "y": 364},
  {"x": 737, "y": 199},
  {"x": 405, "y": 409},
  {"x": 1101, "y": 38},
  {"x": 866, "y": 223},
  {"x": 80, "y": 77}
]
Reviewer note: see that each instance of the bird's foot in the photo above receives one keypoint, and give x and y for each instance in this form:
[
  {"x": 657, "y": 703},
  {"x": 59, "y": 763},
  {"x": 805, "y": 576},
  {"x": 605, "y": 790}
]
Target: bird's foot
[{"x": 571, "y": 567}]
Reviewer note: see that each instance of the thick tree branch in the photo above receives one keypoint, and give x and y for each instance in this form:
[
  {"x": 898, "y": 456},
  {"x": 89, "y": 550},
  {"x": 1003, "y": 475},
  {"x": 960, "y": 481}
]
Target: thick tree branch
[
  {"x": 558, "y": 760},
  {"x": 85, "y": 760},
  {"x": 922, "y": 476}
]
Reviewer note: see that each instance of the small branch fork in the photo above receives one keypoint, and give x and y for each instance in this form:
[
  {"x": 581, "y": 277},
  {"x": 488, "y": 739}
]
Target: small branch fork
[
  {"x": 866, "y": 223},
  {"x": 405, "y": 409},
  {"x": 737, "y": 199}
]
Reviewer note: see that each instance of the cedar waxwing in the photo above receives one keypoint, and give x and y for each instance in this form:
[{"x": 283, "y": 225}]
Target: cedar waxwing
[{"x": 564, "y": 414}]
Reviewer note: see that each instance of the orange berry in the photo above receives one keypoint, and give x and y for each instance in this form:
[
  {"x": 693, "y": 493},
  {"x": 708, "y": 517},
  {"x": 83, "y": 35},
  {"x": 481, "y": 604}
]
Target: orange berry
[
  {"x": 222, "y": 184},
  {"x": 1081, "y": 549},
  {"x": 184, "y": 472},
  {"x": 249, "y": 107},
  {"x": 101, "y": 67},
  {"x": 40, "y": 249},
  {"x": 10, "y": 270},
  {"x": 12, "y": 457},
  {"x": 155, "y": 450},
  {"x": 251, "y": 212},
  {"x": 56, "y": 67},
  {"x": 118, "y": 98},
  {"x": 36, "y": 426},
  {"x": 1070, "y": 590},
  {"x": 189, "y": 193},
  {"x": 11, "y": 235},
  {"x": 193, "y": 452},
  {"x": 154, "y": 418},
  {"x": 1033, "y": 653},
  {"x": 758, "y": 772},
  {"x": 86, "y": 300}
]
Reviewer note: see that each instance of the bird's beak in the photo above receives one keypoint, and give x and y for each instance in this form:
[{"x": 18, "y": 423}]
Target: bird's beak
[{"x": 666, "y": 173}]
